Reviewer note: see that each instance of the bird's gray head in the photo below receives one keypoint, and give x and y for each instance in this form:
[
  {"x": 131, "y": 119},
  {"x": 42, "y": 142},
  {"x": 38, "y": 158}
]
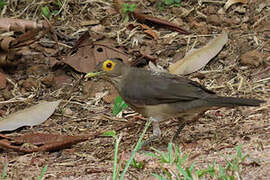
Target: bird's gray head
[{"x": 111, "y": 68}]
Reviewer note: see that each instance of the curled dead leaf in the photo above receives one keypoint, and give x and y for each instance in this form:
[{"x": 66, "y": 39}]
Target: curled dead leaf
[
  {"x": 196, "y": 59},
  {"x": 14, "y": 46},
  {"x": 31, "y": 116},
  {"x": 20, "y": 25},
  {"x": 140, "y": 17},
  {"x": 145, "y": 28},
  {"x": 157, "y": 21},
  {"x": 40, "y": 142}
]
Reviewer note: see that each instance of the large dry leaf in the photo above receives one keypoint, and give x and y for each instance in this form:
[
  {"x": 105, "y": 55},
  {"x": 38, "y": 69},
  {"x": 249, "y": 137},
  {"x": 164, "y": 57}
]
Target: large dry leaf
[
  {"x": 89, "y": 54},
  {"x": 49, "y": 142},
  {"x": 229, "y": 3},
  {"x": 14, "y": 45},
  {"x": 40, "y": 142},
  {"x": 32, "y": 116},
  {"x": 157, "y": 21},
  {"x": 146, "y": 19},
  {"x": 197, "y": 59}
]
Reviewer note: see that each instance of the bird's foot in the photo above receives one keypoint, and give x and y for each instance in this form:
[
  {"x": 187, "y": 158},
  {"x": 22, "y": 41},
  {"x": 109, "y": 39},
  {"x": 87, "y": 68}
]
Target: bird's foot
[
  {"x": 180, "y": 127},
  {"x": 148, "y": 141},
  {"x": 156, "y": 133}
]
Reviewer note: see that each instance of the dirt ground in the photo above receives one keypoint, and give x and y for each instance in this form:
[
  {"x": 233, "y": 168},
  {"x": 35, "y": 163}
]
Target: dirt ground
[{"x": 241, "y": 69}]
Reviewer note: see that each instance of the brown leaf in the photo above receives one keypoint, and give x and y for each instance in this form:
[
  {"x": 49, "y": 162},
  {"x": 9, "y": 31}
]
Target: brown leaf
[
  {"x": 196, "y": 59},
  {"x": 40, "y": 142},
  {"x": 145, "y": 28},
  {"x": 118, "y": 5},
  {"x": 6, "y": 42},
  {"x": 89, "y": 54},
  {"x": 3, "y": 81},
  {"x": 157, "y": 21},
  {"x": 31, "y": 116},
  {"x": 151, "y": 33},
  {"x": 11, "y": 48},
  {"x": 19, "y": 25},
  {"x": 3, "y": 58}
]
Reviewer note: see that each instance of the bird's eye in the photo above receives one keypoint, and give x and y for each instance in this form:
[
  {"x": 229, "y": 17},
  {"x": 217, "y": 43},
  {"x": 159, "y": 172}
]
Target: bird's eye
[{"x": 109, "y": 65}]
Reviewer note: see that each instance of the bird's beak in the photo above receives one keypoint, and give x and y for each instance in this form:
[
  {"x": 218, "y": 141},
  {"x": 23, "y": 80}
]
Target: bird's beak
[{"x": 93, "y": 74}]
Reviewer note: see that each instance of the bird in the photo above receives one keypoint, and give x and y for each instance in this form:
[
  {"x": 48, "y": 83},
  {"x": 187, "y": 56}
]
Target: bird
[{"x": 160, "y": 96}]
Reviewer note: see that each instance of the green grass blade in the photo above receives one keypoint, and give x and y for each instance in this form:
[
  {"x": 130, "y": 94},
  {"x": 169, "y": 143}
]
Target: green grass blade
[
  {"x": 115, "y": 172},
  {"x": 44, "y": 170},
  {"x": 4, "y": 172},
  {"x": 160, "y": 177},
  {"x": 137, "y": 147},
  {"x": 170, "y": 153},
  {"x": 119, "y": 105},
  {"x": 45, "y": 11},
  {"x": 183, "y": 172},
  {"x": 111, "y": 133}
]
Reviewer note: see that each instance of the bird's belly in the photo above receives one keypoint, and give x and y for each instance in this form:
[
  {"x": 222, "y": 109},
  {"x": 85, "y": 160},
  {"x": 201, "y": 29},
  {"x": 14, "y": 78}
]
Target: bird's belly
[
  {"x": 160, "y": 112},
  {"x": 166, "y": 111}
]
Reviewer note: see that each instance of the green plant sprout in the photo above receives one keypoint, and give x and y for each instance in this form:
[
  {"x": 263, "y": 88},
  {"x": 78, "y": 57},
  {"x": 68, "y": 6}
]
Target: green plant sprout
[
  {"x": 48, "y": 13},
  {"x": 127, "y": 9},
  {"x": 162, "y": 3}
]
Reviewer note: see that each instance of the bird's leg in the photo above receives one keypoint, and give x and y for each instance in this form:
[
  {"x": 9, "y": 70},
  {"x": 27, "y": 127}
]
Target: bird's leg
[
  {"x": 183, "y": 122},
  {"x": 177, "y": 132},
  {"x": 156, "y": 129},
  {"x": 156, "y": 132}
]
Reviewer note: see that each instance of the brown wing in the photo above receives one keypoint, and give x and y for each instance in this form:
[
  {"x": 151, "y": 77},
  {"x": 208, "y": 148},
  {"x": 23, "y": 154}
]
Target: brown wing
[{"x": 151, "y": 88}]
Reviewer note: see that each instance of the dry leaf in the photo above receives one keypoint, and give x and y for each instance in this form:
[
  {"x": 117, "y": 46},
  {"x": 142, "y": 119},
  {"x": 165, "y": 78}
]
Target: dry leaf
[
  {"x": 196, "y": 59},
  {"x": 157, "y": 21},
  {"x": 31, "y": 116},
  {"x": 40, "y": 142},
  {"x": 3, "y": 80},
  {"x": 89, "y": 54},
  {"x": 11, "y": 48},
  {"x": 140, "y": 17},
  {"x": 145, "y": 28},
  {"x": 229, "y": 3},
  {"x": 21, "y": 25}
]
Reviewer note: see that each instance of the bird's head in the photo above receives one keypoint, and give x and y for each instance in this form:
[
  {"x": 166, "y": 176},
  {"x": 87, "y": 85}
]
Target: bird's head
[{"x": 110, "y": 69}]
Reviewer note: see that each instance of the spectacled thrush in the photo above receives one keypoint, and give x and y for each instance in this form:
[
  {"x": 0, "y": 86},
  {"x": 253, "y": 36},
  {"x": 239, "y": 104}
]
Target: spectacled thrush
[{"x": 160, "y": 96}]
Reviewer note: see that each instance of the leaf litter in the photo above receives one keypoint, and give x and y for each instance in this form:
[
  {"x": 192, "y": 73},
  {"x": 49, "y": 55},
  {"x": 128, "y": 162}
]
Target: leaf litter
[{"x": 93, "y": 159}]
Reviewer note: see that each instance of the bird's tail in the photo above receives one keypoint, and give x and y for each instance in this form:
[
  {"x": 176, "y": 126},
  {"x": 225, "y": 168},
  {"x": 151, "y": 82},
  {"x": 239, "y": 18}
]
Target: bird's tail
[{"x": 233, "y": 101}]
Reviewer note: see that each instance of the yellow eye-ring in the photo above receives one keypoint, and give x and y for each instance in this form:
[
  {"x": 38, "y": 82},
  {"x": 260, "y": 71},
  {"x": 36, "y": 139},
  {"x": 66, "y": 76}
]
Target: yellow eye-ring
[{"x": 108, "y": 65}]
